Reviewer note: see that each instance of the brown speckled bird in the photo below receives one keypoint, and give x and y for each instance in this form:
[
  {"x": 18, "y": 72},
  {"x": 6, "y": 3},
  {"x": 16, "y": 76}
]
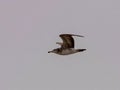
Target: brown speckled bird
[{"x": 67, "y": 47}]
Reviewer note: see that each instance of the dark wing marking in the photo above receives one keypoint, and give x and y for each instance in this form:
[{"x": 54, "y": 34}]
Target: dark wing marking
[{"x": 68, "y": 41}]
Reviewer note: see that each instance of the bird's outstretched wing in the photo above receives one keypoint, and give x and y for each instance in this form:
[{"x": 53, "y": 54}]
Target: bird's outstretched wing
[{"x": 68, "y": 41}]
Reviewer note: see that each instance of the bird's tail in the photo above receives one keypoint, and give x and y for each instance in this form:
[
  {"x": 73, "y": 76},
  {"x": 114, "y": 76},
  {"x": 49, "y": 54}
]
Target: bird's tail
[{"x": 81, "y": 50}]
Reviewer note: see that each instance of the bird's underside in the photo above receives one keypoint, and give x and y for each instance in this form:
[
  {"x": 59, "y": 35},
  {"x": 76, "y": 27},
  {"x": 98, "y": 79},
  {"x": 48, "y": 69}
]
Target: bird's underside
[{"x": 67, "y": 47}]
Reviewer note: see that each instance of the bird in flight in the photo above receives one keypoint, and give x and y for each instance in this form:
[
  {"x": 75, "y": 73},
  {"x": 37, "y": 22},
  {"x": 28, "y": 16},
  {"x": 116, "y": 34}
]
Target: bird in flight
[{"x": 67, "y": 47}]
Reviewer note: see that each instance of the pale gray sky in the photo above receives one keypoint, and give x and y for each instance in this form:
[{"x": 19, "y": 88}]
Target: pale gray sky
[{"x": 30, "y": 28}]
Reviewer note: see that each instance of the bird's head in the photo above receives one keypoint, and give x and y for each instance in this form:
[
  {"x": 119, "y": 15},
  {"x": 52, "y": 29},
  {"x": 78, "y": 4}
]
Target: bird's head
[{"x": 54, "y": 51}]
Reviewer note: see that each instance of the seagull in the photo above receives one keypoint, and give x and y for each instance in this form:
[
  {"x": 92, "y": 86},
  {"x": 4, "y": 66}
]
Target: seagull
[{"x": 67, "y": 47}]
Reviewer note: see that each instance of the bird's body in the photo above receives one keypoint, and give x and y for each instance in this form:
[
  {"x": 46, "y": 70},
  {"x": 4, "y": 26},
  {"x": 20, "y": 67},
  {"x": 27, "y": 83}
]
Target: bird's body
[
  {"x": 68, "y": 51},
  {"x": 67, "y": 47}
]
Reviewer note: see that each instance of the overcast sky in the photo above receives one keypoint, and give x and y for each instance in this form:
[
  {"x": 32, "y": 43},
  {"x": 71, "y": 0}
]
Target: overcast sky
[{"x": 30, "y": 28}]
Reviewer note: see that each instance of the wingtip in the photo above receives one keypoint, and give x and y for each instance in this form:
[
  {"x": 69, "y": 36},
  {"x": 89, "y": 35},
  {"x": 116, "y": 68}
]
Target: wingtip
[
  {"x": 81, "y": 50},
  {"x": 71, "y": 35}
]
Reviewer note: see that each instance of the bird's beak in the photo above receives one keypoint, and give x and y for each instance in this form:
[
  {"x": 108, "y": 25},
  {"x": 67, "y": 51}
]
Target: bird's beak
[{"x": 50, "y": 51}]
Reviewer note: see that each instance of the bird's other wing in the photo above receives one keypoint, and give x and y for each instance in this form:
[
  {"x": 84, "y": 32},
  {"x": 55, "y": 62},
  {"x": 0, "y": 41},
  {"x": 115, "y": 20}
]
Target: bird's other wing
[{"x": 68, "y": 41}]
